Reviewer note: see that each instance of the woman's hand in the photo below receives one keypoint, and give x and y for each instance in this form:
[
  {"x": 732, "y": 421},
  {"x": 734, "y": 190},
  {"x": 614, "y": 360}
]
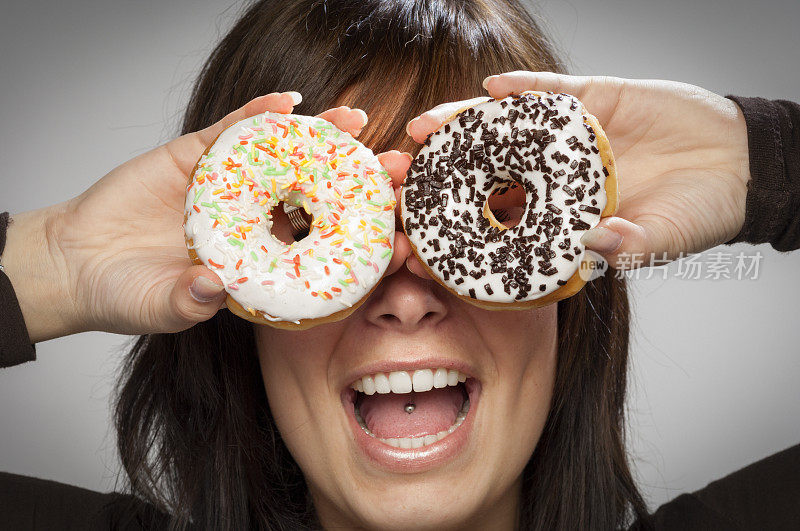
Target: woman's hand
[
  {"x": 114, "y": 258},
  {"x": 681, "y": 155}
]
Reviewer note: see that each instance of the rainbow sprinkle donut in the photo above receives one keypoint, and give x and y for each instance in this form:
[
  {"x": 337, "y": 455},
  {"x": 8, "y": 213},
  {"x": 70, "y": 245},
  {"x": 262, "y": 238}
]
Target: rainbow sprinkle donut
[{"x": 309, "y": 163}]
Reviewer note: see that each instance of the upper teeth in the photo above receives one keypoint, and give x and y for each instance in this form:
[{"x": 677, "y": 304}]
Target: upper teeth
[{"x": 407, "y": 381}]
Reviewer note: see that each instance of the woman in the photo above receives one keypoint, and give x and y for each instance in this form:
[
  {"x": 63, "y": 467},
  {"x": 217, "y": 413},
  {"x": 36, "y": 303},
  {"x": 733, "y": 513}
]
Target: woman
[{"x": 222, "y": 424}]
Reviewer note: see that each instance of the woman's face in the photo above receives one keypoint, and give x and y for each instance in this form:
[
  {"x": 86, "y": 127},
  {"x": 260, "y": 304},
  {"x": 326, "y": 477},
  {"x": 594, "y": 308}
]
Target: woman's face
[{"x": 468, "y": 478}]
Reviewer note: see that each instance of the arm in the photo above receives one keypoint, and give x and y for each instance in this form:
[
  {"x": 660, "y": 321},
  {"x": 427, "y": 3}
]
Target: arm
[
  {"x": 114, "y": 258},
  {"x": 695, "y": 170}
]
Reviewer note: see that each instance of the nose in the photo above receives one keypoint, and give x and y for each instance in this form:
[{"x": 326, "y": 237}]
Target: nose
[{"x": 404, "y": 302}]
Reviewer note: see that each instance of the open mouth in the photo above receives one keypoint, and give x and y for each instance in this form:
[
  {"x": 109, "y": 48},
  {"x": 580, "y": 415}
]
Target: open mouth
[{"x": 412, "y": 409}]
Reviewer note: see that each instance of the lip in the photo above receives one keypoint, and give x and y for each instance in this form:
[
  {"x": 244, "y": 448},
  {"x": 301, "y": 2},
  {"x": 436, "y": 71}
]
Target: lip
[
  {"x": 410, "y": 460},
  {"x": 410, "y": 364}
]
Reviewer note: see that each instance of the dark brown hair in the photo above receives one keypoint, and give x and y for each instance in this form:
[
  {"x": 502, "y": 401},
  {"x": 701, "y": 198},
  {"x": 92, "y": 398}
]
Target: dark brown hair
[{"x": 195, "y": 433}]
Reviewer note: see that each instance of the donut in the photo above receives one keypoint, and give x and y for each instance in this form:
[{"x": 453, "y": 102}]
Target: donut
[
  {"x": 303, "y": 161},
  {"x": 558, "y": 154}
]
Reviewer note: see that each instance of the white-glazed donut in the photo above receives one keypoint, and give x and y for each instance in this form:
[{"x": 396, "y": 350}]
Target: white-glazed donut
[
  {"x": 307, "y": 162},
  {"x": 551, "y": 147}
]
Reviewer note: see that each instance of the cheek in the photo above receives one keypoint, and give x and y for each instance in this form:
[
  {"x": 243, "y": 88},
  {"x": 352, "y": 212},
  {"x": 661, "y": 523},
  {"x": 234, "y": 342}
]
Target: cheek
[
  {"x": 294, "y": 370},
  {"x": 294, "y": 367},
  {"x": 536, "y": 368},
  {"x": 521, "y": 340},
  {"x": 524, "y": 344},
  {"x": 280, "y": 371}
]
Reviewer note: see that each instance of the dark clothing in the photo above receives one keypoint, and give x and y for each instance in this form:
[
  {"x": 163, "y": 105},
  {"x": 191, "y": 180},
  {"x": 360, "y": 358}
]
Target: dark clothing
[
  {"x": 30, "y": 503},
  {"x": 764, "y": 495},
  {"x": 15, "y": 345},
  {"x": 772, "y": 211}
]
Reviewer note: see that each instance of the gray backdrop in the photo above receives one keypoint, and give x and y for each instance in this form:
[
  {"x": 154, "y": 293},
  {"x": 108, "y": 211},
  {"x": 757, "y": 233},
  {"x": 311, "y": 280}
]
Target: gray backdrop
[{"x": 716, "y": 379}]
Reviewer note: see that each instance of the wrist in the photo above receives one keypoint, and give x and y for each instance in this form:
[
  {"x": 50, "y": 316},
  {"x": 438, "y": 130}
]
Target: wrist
[
  {"x": 740, "y": 142},
  {"x": 738, "y": 139},
  {"x": 33, "y": 262}
]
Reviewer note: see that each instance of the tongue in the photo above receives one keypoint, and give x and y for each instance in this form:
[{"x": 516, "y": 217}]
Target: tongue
[{"x": 434, "y": 411}]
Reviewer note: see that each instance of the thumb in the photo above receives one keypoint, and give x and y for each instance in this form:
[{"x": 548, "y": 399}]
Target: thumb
[
  {"x": 629, "y": 245},
  {"x": 196, "y": 296}
]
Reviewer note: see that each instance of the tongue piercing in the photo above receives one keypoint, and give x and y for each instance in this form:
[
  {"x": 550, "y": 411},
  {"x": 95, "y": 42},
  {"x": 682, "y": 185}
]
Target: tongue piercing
[{"x": 410, "y": 407}]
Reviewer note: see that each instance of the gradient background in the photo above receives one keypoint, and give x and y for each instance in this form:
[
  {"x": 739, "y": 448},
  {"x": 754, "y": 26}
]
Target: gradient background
[{"x": 716, "y": 368}]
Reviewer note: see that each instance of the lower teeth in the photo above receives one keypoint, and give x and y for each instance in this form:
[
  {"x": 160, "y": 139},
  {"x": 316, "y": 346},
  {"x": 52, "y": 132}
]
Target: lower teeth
[{"x": 417, "y": 442}]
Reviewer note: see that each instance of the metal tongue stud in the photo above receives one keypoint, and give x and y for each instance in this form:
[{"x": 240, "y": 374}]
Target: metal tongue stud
[{"x": 410, "y": 407}]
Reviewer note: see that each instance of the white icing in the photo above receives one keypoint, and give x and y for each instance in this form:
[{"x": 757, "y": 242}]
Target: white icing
[
  {"x": 426, "y": 237},
  {"x": 340, "y": 181}
]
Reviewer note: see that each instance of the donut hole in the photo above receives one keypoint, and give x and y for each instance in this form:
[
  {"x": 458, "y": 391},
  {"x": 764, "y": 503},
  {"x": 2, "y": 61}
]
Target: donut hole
[
  {"x": 290, "y": 227},
  {"x": 505, "y": 206}
]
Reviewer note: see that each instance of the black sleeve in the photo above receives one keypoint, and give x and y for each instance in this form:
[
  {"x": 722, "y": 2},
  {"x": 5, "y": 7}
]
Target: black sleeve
[
  {"x": 33, "y": 504},
  {"x": 15, "y": 345},
  {"x": 764, "y": 495},
  {"x": 772, "y": 211}
]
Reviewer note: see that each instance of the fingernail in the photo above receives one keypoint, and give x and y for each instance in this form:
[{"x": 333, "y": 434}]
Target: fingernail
[
  {"x": 407, "y": 154},
  {"x": 363, "y": 115},
  {"x": 602, "y": 239},
  {"x": 408, "y": 125},
  {"x": 296, "y": 97},
  {"x": 204, "y": 289},
  {"x": 486, "y": 82}
]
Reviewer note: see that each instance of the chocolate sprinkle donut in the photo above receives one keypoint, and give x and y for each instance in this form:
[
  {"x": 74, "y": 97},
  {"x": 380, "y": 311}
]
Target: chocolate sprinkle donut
[{"x": 542, "y": 142}]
